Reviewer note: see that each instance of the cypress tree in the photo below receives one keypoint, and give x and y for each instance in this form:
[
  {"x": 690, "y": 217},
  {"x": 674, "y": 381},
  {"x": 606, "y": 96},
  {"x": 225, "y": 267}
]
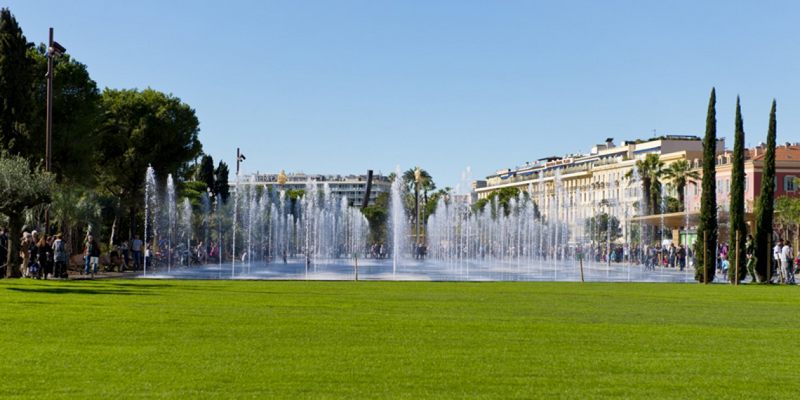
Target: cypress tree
[
  {"x": 205, "y": 173},
  {"x": 737, "y": 223},
  {"x": 16, "y": 84},
  {"x": 221, "y": 181},
  {"x": 708, "y": 202},
  {"x": 766, "y": 205}
]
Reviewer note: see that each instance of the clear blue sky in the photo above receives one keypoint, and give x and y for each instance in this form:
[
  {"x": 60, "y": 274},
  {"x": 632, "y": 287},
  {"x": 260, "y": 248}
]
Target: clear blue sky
[{"x": 344, "y": 86}]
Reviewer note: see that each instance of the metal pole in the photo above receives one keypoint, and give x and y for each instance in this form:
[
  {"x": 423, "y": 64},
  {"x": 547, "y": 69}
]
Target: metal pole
[
  {"x": 235, "y": 216},
  {"x": 737, "y": 258},
  {"x": 416, "y": 205},
  {"x": 49, "y": 123},
  {"x": 580, "y": 258}
]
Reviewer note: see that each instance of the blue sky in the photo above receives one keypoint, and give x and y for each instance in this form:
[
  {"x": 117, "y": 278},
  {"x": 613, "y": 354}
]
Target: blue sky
[{"x": 345, "y": 86}]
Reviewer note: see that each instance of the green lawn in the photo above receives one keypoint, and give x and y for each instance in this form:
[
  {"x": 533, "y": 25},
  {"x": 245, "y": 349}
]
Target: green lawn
[{"x": 189, "y": 339}]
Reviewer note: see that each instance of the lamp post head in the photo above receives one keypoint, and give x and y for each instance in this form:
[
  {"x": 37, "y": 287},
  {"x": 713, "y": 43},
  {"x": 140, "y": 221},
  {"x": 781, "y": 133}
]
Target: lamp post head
[{"x": 56, "y": 49}]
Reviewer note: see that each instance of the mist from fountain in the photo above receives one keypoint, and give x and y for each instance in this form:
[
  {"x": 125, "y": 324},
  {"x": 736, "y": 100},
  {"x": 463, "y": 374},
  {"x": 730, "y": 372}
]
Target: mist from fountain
[
  {"x": 398, "y": 222},
  {"x": 150, "y": 211},
  {"x": 278, "y": 233},
  {"x": 172, "y": 210}
]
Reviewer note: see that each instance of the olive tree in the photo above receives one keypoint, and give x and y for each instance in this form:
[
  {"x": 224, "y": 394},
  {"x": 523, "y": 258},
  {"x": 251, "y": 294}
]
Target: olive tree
[{"x": 20, "y": 189}]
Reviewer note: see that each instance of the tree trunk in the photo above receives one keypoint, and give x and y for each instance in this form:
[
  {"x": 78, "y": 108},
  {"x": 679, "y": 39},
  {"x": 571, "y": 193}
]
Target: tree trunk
[
  {"x": 132, "y": 223},
  {"x": 681, "y": 197},
  {"x": 13, "y": 260},
  {"x": 646, "y": 234},
  {"x": 113, "y": 236},
  {"x": 113, "y": 232}
]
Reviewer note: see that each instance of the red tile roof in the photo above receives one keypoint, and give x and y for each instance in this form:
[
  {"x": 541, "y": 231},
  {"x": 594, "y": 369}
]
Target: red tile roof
[{"x": 782, "y": 153}]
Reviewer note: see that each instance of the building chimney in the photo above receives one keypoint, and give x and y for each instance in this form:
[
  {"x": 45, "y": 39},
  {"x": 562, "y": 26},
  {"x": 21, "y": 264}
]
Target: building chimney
[{"x": 609, "y": 143}]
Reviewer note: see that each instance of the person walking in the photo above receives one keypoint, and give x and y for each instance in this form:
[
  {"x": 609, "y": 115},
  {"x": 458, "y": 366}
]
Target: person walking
[
  {"x": 751, "y": 261},
  {"x": 681, "y": 256},
  {"x": 59, "y": 257},
  {"x": 787, "y": 257},
  {"x": 92, "y": 256}
]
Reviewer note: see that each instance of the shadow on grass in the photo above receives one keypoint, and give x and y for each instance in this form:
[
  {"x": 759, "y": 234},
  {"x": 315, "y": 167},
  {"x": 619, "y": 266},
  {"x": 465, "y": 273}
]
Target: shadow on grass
[{"x": 68, "y": 290}]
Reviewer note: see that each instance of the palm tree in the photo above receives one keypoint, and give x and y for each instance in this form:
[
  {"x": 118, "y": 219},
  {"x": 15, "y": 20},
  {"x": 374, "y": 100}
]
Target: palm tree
[
  {"x": 650, "y": 170},
  {"x": 680, "y": 173},
  {"x": 414, "y": 182}
]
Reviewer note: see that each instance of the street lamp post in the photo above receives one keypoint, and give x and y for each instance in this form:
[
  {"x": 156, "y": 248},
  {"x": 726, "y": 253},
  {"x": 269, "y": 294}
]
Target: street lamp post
[
  {"x": 417, "y": 179},
  {"x": 239, "y": 158},
  {"x": 53, "y": 49}
]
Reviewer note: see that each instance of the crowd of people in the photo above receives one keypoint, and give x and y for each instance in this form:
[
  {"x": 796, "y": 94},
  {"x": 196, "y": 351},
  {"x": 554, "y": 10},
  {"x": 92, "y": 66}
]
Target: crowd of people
[
  {"x": 667, "y": 256},
  {"x": 785, "y": 263},
  {"x": 42, "y": 256}
]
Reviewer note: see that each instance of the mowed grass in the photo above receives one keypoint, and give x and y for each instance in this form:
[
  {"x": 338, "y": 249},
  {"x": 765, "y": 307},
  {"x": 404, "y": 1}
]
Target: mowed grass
[{"x": 242, "y": 339}]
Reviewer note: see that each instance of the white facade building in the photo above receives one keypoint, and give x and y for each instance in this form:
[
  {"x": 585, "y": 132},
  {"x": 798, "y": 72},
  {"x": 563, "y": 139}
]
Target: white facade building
[{"x": 353, "y": 187}]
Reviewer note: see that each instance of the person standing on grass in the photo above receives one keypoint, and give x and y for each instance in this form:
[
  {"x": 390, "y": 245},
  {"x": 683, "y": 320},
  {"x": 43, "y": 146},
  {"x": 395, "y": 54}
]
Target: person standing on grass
[
  {"x": 59, "y": 257},
  {"x": 787, "y": 256},
  {"x": 43, "y": 254},
  {"x": 24, "y": 252},
  {"x": 136, "y": 250},
  {"x": 33, "y": 250},
  {"x": 776, "y": 259},
  {"x": 124, "y": 251},
  {"x": 92, "y": 256}
]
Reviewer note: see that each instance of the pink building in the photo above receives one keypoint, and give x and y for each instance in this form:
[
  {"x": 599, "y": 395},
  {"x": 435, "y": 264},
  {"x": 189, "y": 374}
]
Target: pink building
[{"x": 787, "y": 174}]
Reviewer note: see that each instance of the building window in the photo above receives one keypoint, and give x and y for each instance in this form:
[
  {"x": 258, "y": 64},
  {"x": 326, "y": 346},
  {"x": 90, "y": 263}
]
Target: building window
[{"x": 789, "y": 184}]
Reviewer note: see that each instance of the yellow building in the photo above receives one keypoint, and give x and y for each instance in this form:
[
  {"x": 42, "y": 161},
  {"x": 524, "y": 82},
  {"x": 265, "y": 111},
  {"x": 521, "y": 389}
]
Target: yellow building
[{"x": 574, "y": 188}]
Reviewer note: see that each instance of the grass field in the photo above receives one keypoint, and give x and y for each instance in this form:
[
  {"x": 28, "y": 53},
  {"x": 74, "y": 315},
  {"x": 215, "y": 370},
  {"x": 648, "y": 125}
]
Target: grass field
[{"x": 189, "y": 339}]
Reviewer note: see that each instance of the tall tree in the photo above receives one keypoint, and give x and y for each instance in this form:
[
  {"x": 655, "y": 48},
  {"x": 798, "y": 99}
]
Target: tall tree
[
  {"x": 650, "y": 170},
  {"x": 706, "y": 243},
  {"x": 413, "y": 185},
  {"x": 679, "y": 174},
  {"x": 377, "y": 214},
  {"x": 141, "y": 128},
  {"x": 221, "y": 186},
  {"x": 737, "y": 227},
  {"x": 20, "y": 189},
  {"x": 765, "y": 209},
  {"x": 205, "y": 173},
  {"x": 16, "y": 84}
]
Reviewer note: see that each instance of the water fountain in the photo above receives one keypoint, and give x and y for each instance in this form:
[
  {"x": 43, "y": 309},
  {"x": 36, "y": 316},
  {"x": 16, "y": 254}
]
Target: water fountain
[
  {"x": 150, "y": 195},
  {"x": 314, "y": 234},
  {"x": 398, "y": 221}
]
